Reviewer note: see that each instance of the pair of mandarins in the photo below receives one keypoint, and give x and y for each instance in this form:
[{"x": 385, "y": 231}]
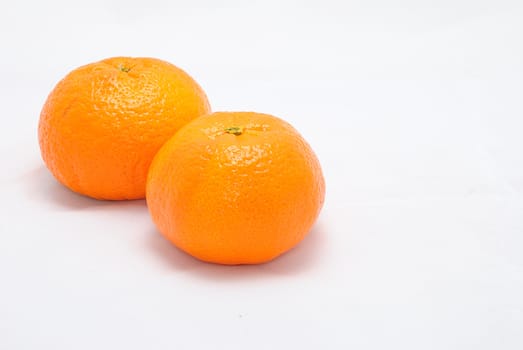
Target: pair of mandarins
[{"x": 225, "y": 187}]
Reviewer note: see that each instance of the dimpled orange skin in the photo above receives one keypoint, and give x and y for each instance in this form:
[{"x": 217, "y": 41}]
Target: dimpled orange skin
[
  {"x": 235, "y": 188},
  {"x": 103, "y": 123}
]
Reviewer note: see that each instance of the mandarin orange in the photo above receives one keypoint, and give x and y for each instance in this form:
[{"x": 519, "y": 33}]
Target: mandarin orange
[
  {"x": 235, "y": 188},
  {"x": 103, "y": 123}
]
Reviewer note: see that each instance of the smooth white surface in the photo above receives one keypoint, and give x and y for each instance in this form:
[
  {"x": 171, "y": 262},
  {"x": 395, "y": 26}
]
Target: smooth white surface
[{"x": 415, "y": 111}]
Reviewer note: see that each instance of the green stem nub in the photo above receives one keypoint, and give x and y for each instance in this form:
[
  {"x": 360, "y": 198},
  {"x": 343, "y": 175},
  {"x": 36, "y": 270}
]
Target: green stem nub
[
  {"x": 235, "y": 130},
  {"x": 124, "y": 69}
]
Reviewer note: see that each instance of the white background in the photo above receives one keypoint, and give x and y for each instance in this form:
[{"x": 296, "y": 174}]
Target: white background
[{"x": 415, "y": 111}]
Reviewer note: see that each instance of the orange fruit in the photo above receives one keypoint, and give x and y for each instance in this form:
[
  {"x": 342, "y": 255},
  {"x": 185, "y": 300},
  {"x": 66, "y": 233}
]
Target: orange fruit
[
  {"x": 103, "y": 123},
  {"x": 235, "y": 188}
]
